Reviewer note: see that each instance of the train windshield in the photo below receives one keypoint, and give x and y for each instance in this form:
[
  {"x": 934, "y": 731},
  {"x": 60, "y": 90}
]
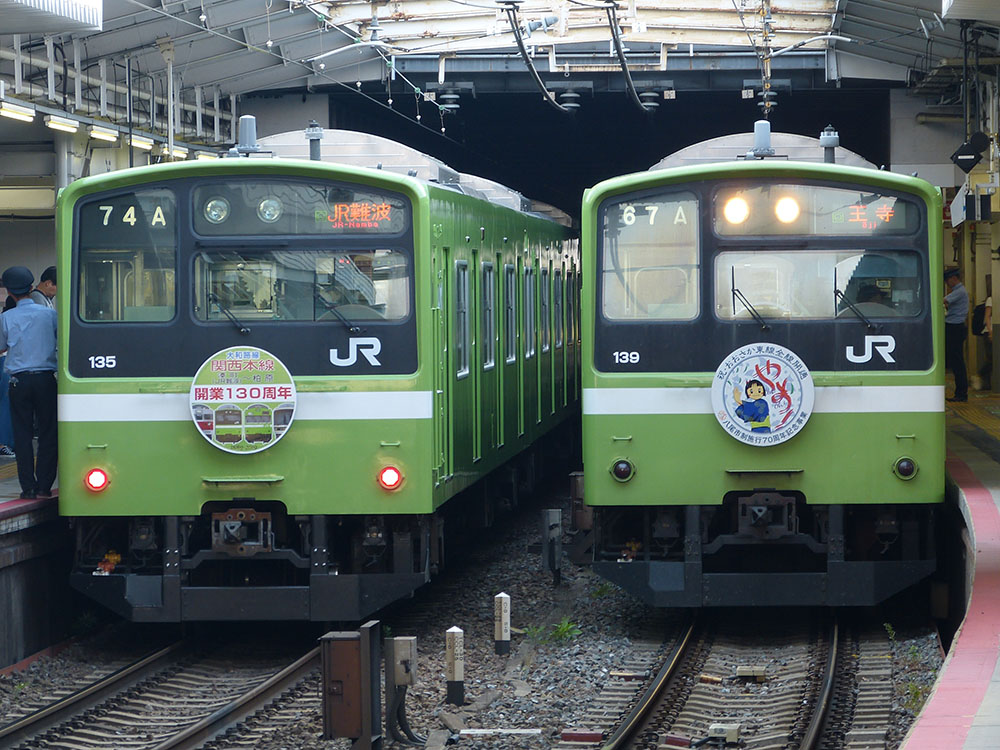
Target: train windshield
[
  {"x": 650, "y": 268},
  {"x": 302, "y": 285},
  {"x": 128, "y": 256},
  {"x": 818, "y": 284}
]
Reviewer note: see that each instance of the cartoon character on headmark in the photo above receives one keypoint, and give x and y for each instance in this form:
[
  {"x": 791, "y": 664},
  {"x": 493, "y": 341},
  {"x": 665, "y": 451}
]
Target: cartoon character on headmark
[{"x": 754, "y": 410}]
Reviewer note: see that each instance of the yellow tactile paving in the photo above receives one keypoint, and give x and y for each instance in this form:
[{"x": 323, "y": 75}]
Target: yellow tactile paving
[
  {"x": 8, "y": 471},
  {"x": 982, "y": 411}
]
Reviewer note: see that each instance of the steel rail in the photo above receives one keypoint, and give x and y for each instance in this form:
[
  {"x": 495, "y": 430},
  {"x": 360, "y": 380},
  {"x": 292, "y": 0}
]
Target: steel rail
[
  {"x": 76, "y": 703},
  {"x": 813, "y": 732},
  {"x": 640, "y": 713},
  {"x": 219, "y": 721}
]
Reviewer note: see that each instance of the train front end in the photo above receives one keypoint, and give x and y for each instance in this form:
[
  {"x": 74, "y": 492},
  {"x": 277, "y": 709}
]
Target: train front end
[
  {"x": 244, "y": 427},
  {"x": 763, "y": 398}
]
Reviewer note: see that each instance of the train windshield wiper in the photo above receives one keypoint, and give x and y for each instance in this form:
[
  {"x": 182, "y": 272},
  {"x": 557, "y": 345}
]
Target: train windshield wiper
[
  {"x": 841, "y": 296},
  {"x": 213, "y": 297},
  {"x": 738, "y": 295},
  {"x": 352, "y": 327}
]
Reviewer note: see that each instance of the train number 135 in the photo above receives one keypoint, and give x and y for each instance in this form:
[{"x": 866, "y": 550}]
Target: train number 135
[
  {"x": 103, "y": 362},
  {"x": 626, "y": 358}
]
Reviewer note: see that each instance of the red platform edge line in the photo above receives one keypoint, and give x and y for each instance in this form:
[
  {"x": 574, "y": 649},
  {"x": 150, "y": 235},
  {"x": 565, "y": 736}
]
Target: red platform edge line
[{"x": 948, "y": 715}]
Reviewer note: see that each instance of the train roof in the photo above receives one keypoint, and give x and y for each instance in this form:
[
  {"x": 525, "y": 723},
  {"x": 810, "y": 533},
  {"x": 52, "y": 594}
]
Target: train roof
[
  {"x": 375, "y": 152},
  {"x": 787, "y": 147}
]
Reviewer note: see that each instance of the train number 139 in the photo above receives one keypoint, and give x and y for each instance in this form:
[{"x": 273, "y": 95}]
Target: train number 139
[
  {"x": 103, "y": 362},
  {"x": 626, "y": 358}
]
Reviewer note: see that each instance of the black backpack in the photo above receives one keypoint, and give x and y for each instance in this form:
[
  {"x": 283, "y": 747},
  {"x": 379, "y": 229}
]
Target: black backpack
[{"x": 979, "y": 319}]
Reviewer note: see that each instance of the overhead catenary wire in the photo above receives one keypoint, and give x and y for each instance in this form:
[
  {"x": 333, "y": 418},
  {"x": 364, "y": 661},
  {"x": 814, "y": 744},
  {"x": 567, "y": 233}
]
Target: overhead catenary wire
[
  {"x": 616, "y": 37},
  {"x": 510, "y": 7}
]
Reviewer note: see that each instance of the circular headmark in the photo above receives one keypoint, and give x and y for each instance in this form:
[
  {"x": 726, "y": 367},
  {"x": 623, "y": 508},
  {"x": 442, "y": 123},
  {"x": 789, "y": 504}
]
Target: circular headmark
[
  {"x": 762, "y": 394},
  {"x": 243, "y": 400}
]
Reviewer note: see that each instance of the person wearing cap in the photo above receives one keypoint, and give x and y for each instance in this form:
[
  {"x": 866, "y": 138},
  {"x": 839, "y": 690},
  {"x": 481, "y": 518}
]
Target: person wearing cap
[
  {"x": 28, "y": 333},
  {"x": 956, "y": 304},
  {"x": 45, "y": 292}
]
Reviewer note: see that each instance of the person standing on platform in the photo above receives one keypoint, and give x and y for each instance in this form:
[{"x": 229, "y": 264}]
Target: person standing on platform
[
  {"x": 45, "y": 292},
  {"x": 956, "y": 303},
  {"x": 28, "y": 332}
]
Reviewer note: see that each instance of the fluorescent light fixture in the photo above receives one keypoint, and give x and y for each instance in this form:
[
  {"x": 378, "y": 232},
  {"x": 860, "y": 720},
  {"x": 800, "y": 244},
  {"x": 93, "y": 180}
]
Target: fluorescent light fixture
[
  {"x": 206, "y": 155},
  {"x": 141, "y": 141},
  {"x": 61, "y": 123},
  {"x": 102, "y": 134},
  {"x": 16, "y": 111},
  {"x": 179, "y": 152}
]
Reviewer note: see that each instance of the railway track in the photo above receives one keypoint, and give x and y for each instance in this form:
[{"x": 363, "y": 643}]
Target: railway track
[
  {"x": 787, "y": 686},
  {"x": 169, "y": 700}
]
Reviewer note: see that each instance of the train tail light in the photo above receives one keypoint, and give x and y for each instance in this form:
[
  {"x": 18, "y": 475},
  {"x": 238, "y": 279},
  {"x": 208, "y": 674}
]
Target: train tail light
[
  {"x": 390, "y": 478},
  {"x": 96, "y": 480},
  {"x": 905, "y": 468}
]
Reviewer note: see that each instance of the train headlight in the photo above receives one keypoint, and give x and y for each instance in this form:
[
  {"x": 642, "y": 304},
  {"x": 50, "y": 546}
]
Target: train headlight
[
  {"x": 905, "y": 468},
  {"x": 787, "y": 210},
  {"x": 736, "y": 210},
  {"x": 216, "y": 210},
  {"x": 96, "y": 480},
  {"x": 622, "y": 470},
  {"x": 390, "y": 478},
  {"x": 269, "y": 210}
]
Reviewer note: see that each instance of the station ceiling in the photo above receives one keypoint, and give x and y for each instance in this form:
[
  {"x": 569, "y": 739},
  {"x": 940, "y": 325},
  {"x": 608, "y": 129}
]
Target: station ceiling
[{"x": 204, "y": 54}]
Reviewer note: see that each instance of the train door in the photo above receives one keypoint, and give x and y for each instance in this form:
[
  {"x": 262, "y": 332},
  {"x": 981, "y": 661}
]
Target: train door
[
  {"x": 511, "y": 378},
  {"x": 530, "y": 348},
  {"x": 442, "y": 424},
  {"x": 522, "y": 363},
  {"x": 488, "y": 352},
  {"x": 474, "y": 334}
]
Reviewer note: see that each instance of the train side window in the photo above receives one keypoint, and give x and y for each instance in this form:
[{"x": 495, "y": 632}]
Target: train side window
[
  {"x": 510, "y": 313},
  {"x": 489, "y": 309},
  {"x": 546, "y": 308},
  {"x": 128, "y": 257},
  {"x": 462, "y": 318},
  {"x": 557, "y": 293},
  {"x": 529, "y": 313}
]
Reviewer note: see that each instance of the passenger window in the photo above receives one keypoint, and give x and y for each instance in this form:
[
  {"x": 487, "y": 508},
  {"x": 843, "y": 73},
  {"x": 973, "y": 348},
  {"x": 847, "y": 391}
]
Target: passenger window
[
  {"x": 462, "y": 318},
  {"x": 510, "y": 314},
  {"x": 558, "y": 309},
  {"x": 489, "y": 342},
  {"x": 546, "y": 305},
  {"x": 529, "y": 313}
]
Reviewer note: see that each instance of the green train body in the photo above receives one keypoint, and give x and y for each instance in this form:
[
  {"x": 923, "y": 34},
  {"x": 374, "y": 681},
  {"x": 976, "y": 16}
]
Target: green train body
[
  {"x": 277, "y": 506},
  {"x": 696, "y": 504}
]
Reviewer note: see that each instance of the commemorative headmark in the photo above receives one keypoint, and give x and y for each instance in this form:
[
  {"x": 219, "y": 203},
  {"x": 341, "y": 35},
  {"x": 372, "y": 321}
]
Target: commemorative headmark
[
  {"x": 243, "y": 399},
  {"x": 762, "y": 394}
]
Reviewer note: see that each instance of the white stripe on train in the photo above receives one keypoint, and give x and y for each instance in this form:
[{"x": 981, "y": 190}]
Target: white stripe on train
[
  {"x": 175, "y": 407},
  {"x": 829, "y": 400}
]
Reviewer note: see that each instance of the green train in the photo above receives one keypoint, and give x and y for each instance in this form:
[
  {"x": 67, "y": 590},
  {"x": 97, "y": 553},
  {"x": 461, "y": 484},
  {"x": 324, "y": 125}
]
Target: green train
[
  {"x": 282, "y": 380},
  {"x": 763, "y": 384}
]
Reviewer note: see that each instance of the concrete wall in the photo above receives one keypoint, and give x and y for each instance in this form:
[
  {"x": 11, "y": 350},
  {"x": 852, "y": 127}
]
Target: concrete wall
[
  {"x": 923, "y": 147},
  {"x": 280, "y": 113}
]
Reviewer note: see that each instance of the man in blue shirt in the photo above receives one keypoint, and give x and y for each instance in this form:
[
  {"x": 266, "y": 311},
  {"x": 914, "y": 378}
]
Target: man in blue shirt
[
  {"x": 28, "y": 333},
  {"x": 956, "y": 304}
]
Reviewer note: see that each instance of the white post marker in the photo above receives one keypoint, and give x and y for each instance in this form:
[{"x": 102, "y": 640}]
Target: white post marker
[
  {"x": 501, "y": 623},
  {"x": 454, "y": 668}
]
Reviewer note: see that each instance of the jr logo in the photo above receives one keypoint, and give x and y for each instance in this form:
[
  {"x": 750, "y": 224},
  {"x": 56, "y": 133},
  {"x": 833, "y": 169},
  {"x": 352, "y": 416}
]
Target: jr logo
[
  {"x": 884, "y": 345},
  {"x": 369, "y": 347}
]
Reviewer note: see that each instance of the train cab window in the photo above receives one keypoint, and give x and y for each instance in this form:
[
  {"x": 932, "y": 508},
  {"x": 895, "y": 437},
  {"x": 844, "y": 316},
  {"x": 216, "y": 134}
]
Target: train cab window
[
  {"x": 510, "y": 313},
  {"x": 302, "y": 285},
  {"x": 650, "y": 266},
  {"x": 545, "y": 310},
  {"x": 462, "y": 336},
  {"x": 489, "y": 310},
  {"x": 818, "y": 284},
  {"x": 127, "y": 246},
  {"x": 529, "y": 313},
  {"x": 557, "y": 294}
]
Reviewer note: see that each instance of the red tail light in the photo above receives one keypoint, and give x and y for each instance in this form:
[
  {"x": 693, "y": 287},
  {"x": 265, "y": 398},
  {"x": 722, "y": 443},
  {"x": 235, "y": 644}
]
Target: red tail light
[
  {"x": 390, "y": 477},
  {"x": 96, "y": 480}
]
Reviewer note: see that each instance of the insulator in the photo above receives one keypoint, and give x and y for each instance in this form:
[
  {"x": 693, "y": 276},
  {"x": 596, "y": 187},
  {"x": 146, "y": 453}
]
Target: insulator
[
  {"x": 650, "y": 99},
  {"x": 449, "y": 100},
  {"x": 569, "y": 99}
]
